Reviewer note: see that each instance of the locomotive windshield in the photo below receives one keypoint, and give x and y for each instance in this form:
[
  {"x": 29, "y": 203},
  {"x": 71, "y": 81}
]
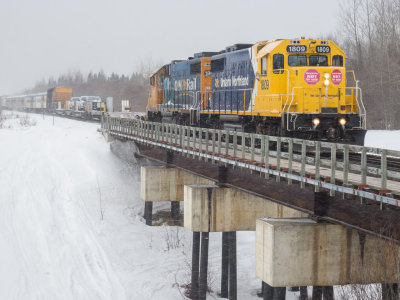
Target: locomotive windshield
[
  {"x": 297, "y": 60},
  {"x": 318, "y": 60}
]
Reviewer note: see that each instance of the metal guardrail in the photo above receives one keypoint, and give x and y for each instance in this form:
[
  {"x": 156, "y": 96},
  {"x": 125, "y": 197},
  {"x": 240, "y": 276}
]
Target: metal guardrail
[{"x": 264, "y": 154}]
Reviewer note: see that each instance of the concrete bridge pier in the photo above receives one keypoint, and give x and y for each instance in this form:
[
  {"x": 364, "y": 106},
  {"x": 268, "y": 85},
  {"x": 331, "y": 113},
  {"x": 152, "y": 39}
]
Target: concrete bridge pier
[
  {"x": 327, "y": 293},
  {"x": 162, "y": 183},
  {"x": 175, "y": 212},
  {"x": 210, "y": 208},
  {"x": 303, "y": 293},
  {"x": 194, "y": 289},
  {"x": 323, "y": 292},
  {"x": 203, "y": 285},
  {"x": 273, "y": 293},
  {"x": 148, "y": 212},
  {"x": 390, "y": 291},
  {"x": 307, "y": 253},
  {"x": 317, "y": 293},
  {"x": 232, "y": 295},
  {"x": 225, "y": 265}
]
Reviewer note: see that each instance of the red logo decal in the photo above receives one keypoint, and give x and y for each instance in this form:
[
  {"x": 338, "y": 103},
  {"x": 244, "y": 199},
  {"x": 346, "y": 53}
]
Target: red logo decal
[
  {"x": 311, "y": 76},
  {"x": 336, "y": 76}
]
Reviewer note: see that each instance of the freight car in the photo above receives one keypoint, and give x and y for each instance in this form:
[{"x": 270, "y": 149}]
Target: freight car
[
  {"x": 290, "y": 87},
  {"x": 57, "y": 100},
  {"x": 53, "y": 99}
]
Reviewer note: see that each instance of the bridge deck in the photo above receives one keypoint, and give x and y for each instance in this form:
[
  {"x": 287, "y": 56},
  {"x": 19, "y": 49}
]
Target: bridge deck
[{"x": 275, "y": 156}]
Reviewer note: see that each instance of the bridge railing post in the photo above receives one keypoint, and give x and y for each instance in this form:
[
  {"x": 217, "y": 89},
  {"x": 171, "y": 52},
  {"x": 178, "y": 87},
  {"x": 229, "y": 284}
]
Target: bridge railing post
[
  {"x": 278, "y": 158},
  {"x": 252, "y": 143},
  {"x": 317, "y": 163},
  {"x": 194, "y": 141},
  {"x": 243, "y": 144},
  {"x": 200, "y": 141},
  {"x": 226, "y": 141},
  {"x": 170, "y": 133},
  {"x": 176, "y": 133},
  {"x": 262, "y": 148},
  {"x": 234, "y": 140},
  {"x": 290, "y": 163},
  {"x": 207, "y": 142},
  {"x": 303, "y": 163},
  {"x": 267, "y": 156},
  {"x": 219, "y": 141},
  {"x": 333, "y": 167},
  {"x": 383, "y": 169},
  {"x": 213, "y": 145},
  {"x": 346, "y": 164},
  {"x": 144, "y": 135},
  {"x": 181, "y": 132},
  {"x": 364, "y": 166},
  {"x": 188, "y": 131}
]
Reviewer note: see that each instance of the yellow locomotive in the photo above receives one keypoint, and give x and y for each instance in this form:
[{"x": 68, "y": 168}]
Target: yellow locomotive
[{"x": 290, "y": 87}]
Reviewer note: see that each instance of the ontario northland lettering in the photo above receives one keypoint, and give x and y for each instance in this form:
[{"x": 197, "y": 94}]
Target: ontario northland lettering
[{"x": 234, "y": 81}]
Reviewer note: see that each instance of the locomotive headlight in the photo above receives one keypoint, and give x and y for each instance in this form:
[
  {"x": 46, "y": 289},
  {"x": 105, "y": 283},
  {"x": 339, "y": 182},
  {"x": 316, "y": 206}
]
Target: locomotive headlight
[
  {"x": 326, "y": 75},
  {"x": 342, "y": 121},
  {"x": 326, "y": 83},
  {"x": 315, "y": 121}
]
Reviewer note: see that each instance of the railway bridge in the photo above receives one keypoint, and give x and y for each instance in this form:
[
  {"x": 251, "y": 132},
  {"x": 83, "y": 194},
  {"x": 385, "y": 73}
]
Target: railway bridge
[{"x": 325, "y": 214}]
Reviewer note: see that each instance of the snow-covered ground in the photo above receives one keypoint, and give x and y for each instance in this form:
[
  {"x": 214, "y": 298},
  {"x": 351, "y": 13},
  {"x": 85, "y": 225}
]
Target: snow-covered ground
[
  {"x": 71, "y": 225},
  {"x": 384, "y": 139}
]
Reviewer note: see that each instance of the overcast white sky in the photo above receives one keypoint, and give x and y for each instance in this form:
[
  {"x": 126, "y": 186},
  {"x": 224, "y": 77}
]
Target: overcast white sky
[{"x": 42, "y": 38}]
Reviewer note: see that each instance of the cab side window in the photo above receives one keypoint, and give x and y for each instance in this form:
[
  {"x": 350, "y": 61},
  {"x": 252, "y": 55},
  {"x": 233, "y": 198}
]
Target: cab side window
[
  {"x": 337, "y": 61},
  {"x": 278, "y": 63},
  {"x": 160, "y": 79},
  {"x": 264, "y": 65}
]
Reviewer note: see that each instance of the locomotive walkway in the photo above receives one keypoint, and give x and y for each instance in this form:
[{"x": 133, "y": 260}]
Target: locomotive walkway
[{"x": 315, "y": 192}]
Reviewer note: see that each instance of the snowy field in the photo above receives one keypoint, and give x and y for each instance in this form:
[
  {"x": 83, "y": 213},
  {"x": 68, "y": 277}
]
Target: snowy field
[{"x": 71, "y": 225}]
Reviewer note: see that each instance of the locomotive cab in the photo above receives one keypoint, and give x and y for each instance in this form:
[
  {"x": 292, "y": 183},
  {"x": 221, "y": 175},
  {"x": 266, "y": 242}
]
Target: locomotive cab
[
  {"x": 303, "y": 82},
  {"x": 156, "y": 92}
]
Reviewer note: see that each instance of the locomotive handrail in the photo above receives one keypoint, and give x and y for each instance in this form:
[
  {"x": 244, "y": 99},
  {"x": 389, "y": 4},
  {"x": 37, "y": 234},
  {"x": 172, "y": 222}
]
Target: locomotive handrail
[
  {"x": 287, "y": 87},
  {"x": 229, "y": 90},
  {"x": 362, "y": 112},
  {"x": 256, "y": 153},
  {"x": 296, "y": 87}
]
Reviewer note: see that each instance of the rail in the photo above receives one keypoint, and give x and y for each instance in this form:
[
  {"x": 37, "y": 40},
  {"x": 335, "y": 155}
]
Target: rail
[{"x": 324, "y": 165}]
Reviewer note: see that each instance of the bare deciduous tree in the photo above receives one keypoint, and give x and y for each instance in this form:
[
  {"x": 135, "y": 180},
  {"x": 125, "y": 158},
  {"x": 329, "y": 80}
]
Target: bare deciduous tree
[{"x": 370, "y": 35}]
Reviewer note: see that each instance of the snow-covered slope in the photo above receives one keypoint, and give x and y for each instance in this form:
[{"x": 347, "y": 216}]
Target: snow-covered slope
[{"x": 70, "y": 225}]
